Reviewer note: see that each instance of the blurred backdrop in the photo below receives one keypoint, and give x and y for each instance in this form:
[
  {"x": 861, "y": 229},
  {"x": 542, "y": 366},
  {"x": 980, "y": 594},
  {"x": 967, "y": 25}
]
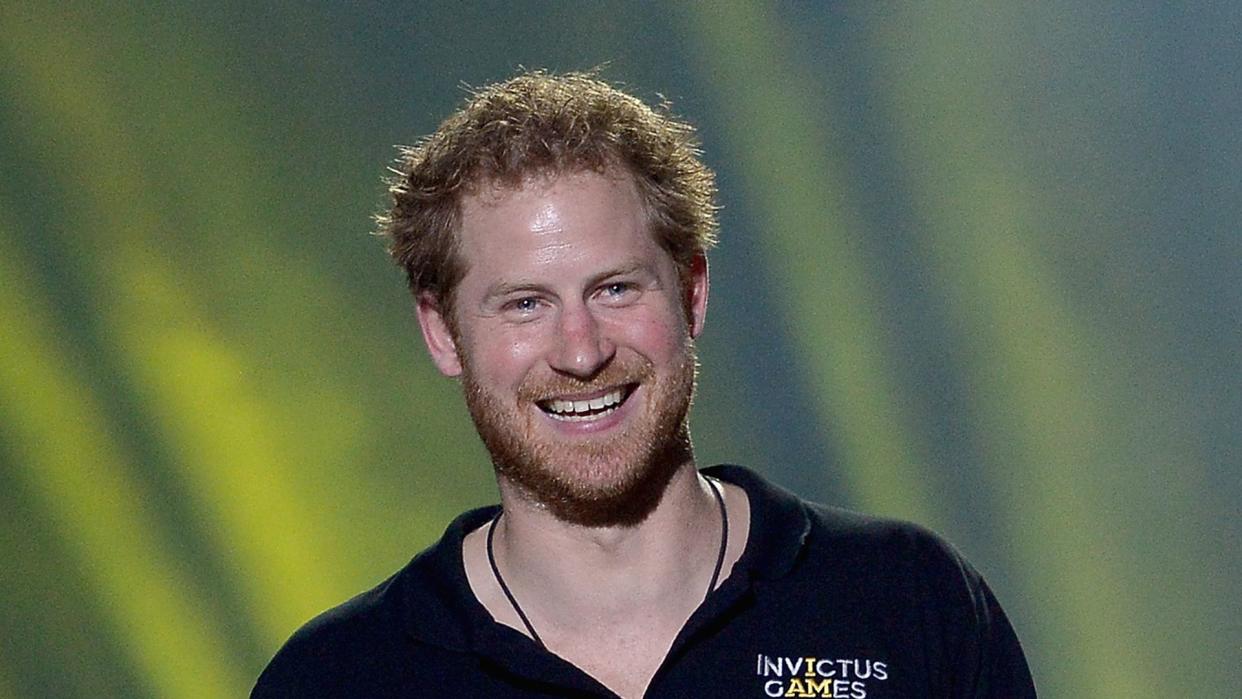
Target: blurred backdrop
[{"x": 980, "y": 267}]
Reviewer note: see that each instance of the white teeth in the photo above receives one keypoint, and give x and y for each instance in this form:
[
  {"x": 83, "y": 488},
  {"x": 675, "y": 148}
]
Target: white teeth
[
  {"x": 576, "y": 410},
  {"x": 581, "y": 418}
]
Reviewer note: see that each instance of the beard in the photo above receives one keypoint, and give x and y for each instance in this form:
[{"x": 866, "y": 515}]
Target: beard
[{"x": 591, "y": 481}]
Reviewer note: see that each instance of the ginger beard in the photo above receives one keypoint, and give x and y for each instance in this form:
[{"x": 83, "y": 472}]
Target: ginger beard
[{"x": 595, "y": 481}]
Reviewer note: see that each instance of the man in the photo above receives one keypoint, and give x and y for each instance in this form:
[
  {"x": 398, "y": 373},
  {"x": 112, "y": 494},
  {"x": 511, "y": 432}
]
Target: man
[{"x": 554, "y": 232}]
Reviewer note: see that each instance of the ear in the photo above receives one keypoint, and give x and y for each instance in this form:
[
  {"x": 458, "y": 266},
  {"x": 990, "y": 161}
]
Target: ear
[
  {"x": 696, "y": 293},
  {"x": 436, "y": 334}
]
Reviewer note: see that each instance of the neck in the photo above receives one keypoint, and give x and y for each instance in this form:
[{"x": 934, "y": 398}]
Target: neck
[
  {"x": 610, "y": 600},
  {"x": 566, "y": 573}
]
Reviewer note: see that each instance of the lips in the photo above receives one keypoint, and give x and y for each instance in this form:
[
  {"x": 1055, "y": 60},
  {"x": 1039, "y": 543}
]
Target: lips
[{"x": 582, "y": 409}]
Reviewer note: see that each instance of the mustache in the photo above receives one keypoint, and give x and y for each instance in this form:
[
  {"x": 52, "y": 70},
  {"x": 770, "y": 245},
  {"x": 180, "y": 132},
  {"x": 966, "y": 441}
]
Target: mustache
[{"x": 536, "y": 389}]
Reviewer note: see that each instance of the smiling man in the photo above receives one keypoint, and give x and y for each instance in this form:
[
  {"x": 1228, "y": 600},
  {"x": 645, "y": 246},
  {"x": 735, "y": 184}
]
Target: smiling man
[{"x": 555, "y": 234}]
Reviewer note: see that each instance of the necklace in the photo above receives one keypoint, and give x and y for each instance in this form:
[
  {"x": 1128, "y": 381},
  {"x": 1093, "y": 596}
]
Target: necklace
[{"x": 530, "y": 628}]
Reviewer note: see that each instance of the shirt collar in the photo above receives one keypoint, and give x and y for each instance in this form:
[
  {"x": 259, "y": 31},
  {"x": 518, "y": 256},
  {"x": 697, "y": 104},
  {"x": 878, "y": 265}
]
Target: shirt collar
[
  {"x": 439, "y": 608},
  {"x": 436, "y": 602},
  {"x": 779, "y": 523}
]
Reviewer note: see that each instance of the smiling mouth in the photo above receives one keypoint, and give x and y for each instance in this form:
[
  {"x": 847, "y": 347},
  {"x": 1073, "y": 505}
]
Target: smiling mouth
[{"x": 568, "y": 410}]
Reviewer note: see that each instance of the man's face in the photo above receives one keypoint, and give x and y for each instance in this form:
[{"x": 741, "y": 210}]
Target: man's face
[{"x": 573, "y": 343}]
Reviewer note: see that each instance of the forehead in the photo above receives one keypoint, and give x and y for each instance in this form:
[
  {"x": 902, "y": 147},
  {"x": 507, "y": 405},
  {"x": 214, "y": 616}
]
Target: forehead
[{"x": 553, "y": 221}]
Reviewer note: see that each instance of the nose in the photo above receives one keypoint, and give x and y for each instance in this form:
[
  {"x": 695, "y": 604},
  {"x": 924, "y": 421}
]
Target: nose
[{"x": 581, "y": 346}]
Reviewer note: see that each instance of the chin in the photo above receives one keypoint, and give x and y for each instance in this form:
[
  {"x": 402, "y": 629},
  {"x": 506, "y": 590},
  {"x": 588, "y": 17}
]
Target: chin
[
  {"x": 611, "y": 489},
  {"x": 610, "y": 482}
]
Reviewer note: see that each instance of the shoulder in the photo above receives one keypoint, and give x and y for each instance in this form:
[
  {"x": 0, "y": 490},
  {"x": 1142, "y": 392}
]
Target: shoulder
[
  {"x": 405, "y": 632},
  {"x": 886, "y": 544},
  {"x": 906, "y": 572},
  {"x": 790, "y": 534},
  {"x": 900, "y": 563},
  {"x": 328, "y": 654}
]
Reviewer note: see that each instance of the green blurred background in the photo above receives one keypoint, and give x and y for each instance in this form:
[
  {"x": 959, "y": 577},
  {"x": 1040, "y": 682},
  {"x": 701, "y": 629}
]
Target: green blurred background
[{"x": 981, "y": 267}]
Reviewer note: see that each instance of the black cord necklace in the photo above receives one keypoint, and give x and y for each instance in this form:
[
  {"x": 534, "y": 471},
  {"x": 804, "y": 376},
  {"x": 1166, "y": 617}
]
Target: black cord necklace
[{"x": 491, "y": 558}]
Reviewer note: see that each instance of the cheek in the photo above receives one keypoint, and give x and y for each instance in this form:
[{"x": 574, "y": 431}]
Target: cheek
[
  {"x": 655, "y": 337},
  {"x": 505, "y": 362}
]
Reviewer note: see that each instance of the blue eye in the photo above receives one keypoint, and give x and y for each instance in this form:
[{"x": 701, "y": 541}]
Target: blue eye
[
  {"x": 618, "y": 293},
  {"x": 523, "y": 306}
]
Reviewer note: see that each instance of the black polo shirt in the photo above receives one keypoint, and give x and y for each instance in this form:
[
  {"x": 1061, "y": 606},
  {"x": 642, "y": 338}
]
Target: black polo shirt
[{"x": 822, "y": 603}]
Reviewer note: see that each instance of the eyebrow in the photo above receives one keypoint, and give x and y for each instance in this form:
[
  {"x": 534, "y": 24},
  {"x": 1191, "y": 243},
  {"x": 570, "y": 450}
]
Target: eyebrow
[
  {"x": 506, "y": 288},
  {"x": 628, "y": 267}
]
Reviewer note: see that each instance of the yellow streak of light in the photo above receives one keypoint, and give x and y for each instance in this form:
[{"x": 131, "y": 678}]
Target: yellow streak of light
[
  {"x": 67, "y": 455},
  {"x": 833, "y": 310},
  {"x": 210, "y": 415}
]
